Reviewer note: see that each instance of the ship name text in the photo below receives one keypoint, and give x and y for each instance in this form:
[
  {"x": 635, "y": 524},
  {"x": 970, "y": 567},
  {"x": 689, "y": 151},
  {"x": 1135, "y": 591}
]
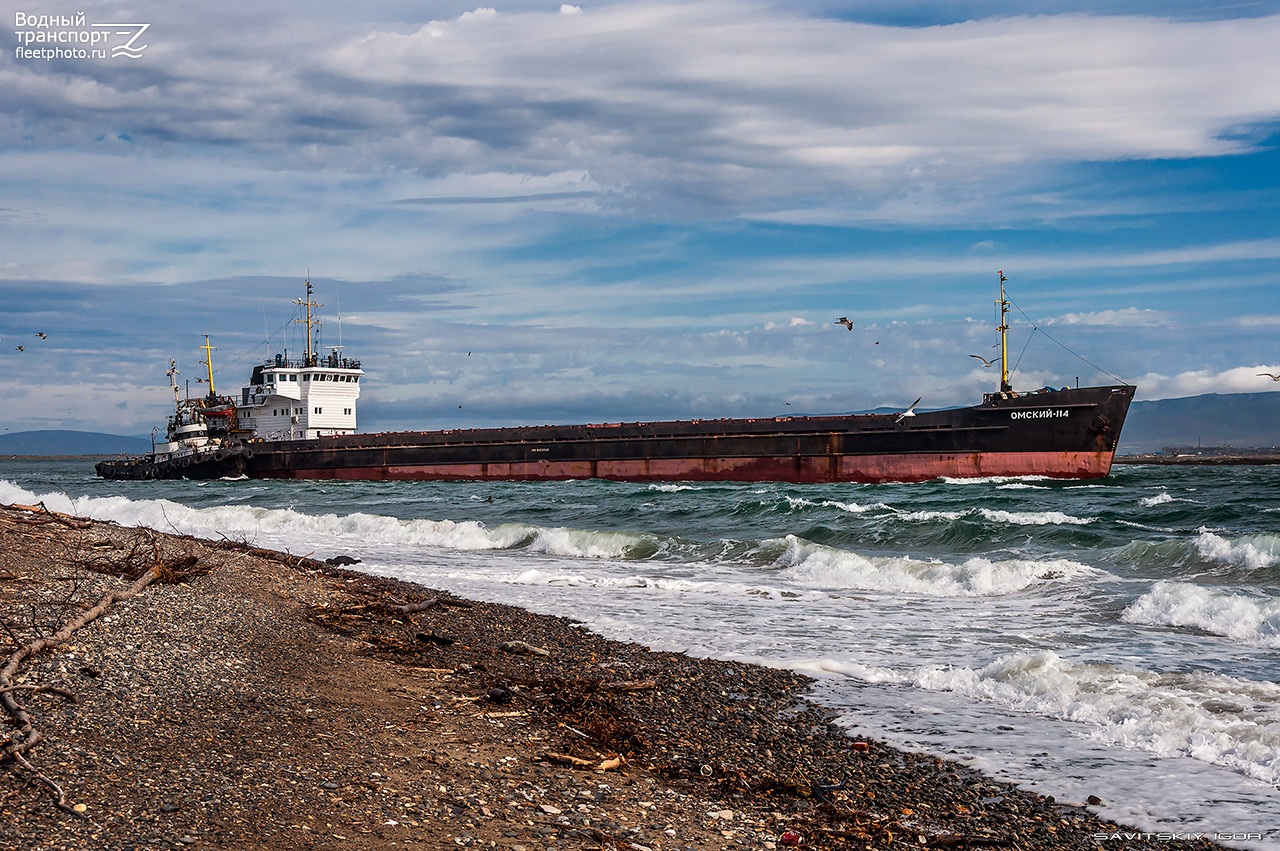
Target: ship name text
[{"x": 1041, "y": 414}]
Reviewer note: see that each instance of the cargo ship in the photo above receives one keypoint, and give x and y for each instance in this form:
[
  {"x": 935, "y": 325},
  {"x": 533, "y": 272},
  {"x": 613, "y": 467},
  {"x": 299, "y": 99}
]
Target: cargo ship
[{"x": 296, "y": 419}]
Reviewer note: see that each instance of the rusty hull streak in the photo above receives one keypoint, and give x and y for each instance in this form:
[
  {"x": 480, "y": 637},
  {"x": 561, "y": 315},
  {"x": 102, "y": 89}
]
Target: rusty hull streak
[{"x": 810, "y": 470}]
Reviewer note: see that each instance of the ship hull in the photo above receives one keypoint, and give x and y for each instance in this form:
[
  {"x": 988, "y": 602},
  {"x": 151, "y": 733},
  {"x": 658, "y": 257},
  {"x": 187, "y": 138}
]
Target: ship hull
[
  {"x": 228, "y": 465},
  {"x": 1062, "y": 434}
]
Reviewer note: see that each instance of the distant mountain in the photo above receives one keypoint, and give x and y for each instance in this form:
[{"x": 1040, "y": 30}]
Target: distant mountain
[
  {"x": 1241, "y": 420},
  {"x": 70, "y": 443}
]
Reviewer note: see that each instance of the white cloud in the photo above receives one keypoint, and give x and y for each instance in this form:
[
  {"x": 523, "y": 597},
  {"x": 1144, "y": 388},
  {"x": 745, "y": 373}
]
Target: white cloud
[
  {"x": 1259, "y": 321},
  {"x": 1240, "y": 379},
  {"x": 1128, "y": 317},
  {"x": 480, "y": 14},
  {"x": 731, "y": 102},
  {"x": 795, "y": 322}
]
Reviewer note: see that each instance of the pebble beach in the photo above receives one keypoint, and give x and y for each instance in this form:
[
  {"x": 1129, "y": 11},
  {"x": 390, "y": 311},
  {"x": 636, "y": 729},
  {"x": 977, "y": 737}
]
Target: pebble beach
[{"x": 250, "y": 699}]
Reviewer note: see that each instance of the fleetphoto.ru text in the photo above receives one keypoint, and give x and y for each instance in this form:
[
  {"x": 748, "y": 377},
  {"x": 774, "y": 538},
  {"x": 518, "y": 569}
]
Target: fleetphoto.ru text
[{"x": 50, "y": 37}]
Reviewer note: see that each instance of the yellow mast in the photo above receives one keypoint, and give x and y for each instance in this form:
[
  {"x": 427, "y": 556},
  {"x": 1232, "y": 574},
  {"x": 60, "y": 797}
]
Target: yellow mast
[
  {"x": 1005, "y": 386},
  {"x": 208, "y": 361},
  {"x": 309, "y": 322}
]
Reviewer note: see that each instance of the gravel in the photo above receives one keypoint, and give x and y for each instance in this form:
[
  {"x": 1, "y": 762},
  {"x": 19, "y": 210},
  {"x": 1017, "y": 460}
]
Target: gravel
[{"x": 252, "y": 699}]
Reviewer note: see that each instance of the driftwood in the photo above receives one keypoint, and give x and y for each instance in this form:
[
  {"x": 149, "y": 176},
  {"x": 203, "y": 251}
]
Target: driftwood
[
  {"x": 43, "y": 516},
  {"x": 410, "y": 608},
  {"x": 156, "y": 568},
  {"x": 28, "y": 734},
  {"x": 579, "y": 762},
  {"x": 41, "y": 689}
]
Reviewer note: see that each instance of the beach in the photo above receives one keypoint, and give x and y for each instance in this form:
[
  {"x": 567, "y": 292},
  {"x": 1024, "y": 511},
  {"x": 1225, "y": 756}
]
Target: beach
[{"x": 245, "y": 698}]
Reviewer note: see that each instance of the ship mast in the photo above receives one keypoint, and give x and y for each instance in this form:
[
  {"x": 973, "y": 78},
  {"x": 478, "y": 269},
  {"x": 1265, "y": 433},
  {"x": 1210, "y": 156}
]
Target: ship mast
[
  {"x": 172, "y": 372},
  {"x": 1003, "y": 327},
  {"x": 309, "y": 322},
  {"x": 208, "y": 361}
]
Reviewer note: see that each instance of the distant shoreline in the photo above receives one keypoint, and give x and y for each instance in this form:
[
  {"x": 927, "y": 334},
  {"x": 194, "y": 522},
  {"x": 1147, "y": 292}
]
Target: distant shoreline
[
  {"x": 1257, "y": 459},
  {"x": 88, "y": 457}
]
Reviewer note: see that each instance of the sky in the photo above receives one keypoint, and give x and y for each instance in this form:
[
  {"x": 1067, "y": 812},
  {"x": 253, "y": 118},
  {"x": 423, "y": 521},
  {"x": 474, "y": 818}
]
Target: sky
[{"x": 532, "y": 212}]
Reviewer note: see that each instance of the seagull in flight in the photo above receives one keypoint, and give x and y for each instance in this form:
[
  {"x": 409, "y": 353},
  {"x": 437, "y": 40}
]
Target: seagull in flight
[
  {"x": 845, "y": 321},
  {"x": 985, "y": 362},
  {"x": 909, "y": 412},
  {"x": 1270, "y": 375},
  {"x": 42, "y": 335}
]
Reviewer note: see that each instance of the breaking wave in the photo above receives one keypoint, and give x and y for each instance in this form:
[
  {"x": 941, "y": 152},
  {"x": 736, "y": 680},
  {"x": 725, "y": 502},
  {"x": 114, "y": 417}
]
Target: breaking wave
[
  {"x": 1217, "y": 719},
  {"x": 815, "y": 565},
  {"x": 1240, "y": 617}
]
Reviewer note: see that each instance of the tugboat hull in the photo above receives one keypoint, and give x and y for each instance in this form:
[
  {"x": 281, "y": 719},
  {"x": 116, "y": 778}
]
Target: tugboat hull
[{"x": 230, "y": 465}]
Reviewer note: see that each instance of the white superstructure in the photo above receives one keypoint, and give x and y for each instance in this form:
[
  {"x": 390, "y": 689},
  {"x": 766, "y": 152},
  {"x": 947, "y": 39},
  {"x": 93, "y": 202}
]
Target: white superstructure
[{"x": 294, "y": 399}]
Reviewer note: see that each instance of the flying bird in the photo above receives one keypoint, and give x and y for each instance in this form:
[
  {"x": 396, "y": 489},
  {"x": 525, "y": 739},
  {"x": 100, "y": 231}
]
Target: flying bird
[
  {"x": 909, "y": 412},
  {"x": 845, "y": 321},
  {"x": 42, "y": 335},
  {"x": 985, "y": 362},
  {"x": 21, "y": 348},
  {"x": 1270, "y": 375}
]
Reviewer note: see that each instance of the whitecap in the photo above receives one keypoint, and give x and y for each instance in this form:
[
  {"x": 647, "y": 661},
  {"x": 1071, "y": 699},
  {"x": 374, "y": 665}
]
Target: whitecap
[
  {"x": 988, "y": 480},
  {"x": 818, "y": 566},
  {"x": 1035, "y": 518},
  {"x": 1251, "y": 619},
  {"x": 1252, "y": 552},
  {"x": 1213, "y": 718}
]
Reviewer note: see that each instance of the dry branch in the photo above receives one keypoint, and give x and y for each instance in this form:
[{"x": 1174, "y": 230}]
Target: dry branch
[
  {"x": 27, "y": 735},
  {"x": 44, "y": 516},
  {"x": 410, "y": 608}
]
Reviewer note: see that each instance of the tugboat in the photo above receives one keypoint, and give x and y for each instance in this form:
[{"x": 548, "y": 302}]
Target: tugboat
[
  {"x": 285, "y": 400},
  {"x": 202, "y": 439},
  {"x": 296, "y": 419}
]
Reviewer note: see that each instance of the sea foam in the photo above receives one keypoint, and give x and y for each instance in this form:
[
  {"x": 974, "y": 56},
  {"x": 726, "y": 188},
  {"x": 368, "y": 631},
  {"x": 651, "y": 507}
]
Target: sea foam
[
  {"x": 816, "y": 565},
  {"x": 1240, "y": 617},
  {"x": 1213, "y": 718},
  {"x": 1251, "y": 552}
]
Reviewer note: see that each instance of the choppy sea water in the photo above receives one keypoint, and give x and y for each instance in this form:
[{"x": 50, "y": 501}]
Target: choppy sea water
[{"x": 1118, "y": 638}]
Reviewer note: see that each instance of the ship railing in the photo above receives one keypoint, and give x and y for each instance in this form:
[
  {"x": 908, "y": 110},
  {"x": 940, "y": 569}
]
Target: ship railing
[{"x": 330, "y": 361}]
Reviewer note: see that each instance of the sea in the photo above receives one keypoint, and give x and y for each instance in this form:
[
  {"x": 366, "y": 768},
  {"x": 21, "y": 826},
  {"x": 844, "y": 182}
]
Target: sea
[{"x": 1117, "y": 638}]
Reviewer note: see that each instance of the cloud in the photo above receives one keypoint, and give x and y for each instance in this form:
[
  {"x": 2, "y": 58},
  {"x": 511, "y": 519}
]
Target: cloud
[
  {"x": 1128, "y": 317},
  {"x": 718, "y": 104},
  {"x": 794, "y": 322},
  {"x": 1259, "y": 321},
  {"x": 619, "y": 203},
  {"x": 1243, "y": 379}
]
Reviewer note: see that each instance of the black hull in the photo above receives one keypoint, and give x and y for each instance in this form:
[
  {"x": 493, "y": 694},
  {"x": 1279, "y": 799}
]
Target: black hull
[
  {"x": 230, "y": 466},
  {"x": 1061, "y": 433}
]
